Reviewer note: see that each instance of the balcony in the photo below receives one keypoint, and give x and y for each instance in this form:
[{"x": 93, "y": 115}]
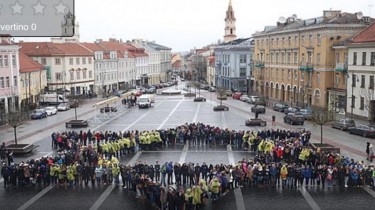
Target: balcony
[
  {"x": 259, "y": 65},
  {"x": 341, "y": 67},
  {"x": 306, "y": 67}
]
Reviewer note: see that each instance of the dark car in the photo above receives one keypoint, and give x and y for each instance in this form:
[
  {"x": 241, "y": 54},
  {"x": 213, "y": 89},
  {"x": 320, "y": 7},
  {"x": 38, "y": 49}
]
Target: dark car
[
  {"x": 343, "y": 124},
  {"x": 258, "y": 109},
  {"x": 307, "y": 113},
  {"x": 280, "y": 107},
  {"x": 294, "y": 118},
  {"x": 363, "y": 130},
  {"x": 38, "y": 114},
  {"x": 261, "y": 101},
  {"x": 291, "y": 110}
]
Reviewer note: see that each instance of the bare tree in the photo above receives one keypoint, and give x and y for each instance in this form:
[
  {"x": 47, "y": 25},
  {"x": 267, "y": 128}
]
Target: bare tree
[
  {"x": 321, "y": 118},
  {"x": 221, "y": 92},
  {"x": 369, "y": 97},
  {"x": 16, "y": 118},
  {"x": 199, "y": 63},
  {"x": 197, "y": 86}
]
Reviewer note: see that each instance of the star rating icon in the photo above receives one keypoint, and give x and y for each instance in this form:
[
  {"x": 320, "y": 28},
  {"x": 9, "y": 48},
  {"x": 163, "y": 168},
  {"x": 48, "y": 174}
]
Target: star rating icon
[
  {"x": 60, "y": 8},
  {"x": 39, "y": 8},
  {"x": 17, "y": 8}
]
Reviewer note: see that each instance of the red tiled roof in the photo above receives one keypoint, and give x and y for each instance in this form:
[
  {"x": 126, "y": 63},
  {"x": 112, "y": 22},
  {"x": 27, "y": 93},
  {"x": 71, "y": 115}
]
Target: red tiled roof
[
  {"x": 177, "y": 64},
  {"x": 92, "y": 46},
  {"x": 367, "y": 35},
  {"x": 53, "y": 49},
  {"x": 137, "y": 52},
  {"x": 28, "y": 65}
]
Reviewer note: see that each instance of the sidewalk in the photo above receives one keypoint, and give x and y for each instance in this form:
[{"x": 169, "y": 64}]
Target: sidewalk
[{"x": 33, "y": 127}]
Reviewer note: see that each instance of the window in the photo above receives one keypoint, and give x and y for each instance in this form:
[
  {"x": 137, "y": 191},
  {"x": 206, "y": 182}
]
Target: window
[
  {"x": 90, "y": 74},
  {"x": 317, "y": 93},
  {"x": 295, "y": 40},
  {"x": 57, "y": 61},
  {"x": 319, "y": 39},
  {"x": 295, "y": 58},
  {"x": 242, "y": 58},
  {"x": 71, "y": 75},
  {"x": 363, "y": 81},
  {"x": 364, "y": 58},
  {"x": 2, "y": 82},
  {"x": 242, "y": 72},
  {"x": 353, "y": 101},
  {"x": 295, "y": 75},
  {"x": 288, "y": 74},
  {"x": 337, "y": 78},
  {"x": 303, "y": 40},
  {"x": 310, "y": 39},
  {"x": 372, "y": 59},
  {"x": 277, "y": 57},
  {"x": 303, "y": 58},
  {"x": 289, "y": 40},
  {"x": 354, "y": 58},
  {"x": 90, "y": 60},
  {"x": 309, "y": 58},
  {"x": 337, "y": 57},
  {"x": 354, "y": 82},
  {"x": 58, "y": 76},
  {"x": 277, "y": 42},
  {"x": 271, "y": 57},
  {"x": 318, "y": 78},
  {"x": 83, "y": 61},
  {"x": 7, "y": 82},
  {"x": 289, "y": 57},
  {"x": 44, "y": 61},
  {"x": 71, "y": 61},
  {"x": 362, "y": 103},
  {"x": 15, "y": 81},
  {"x": 77, "y": 61},
  {"x": 84, "y": 73},
  {"x": 283, "y": 41},
  {"x": 1, "y": 61},
  {"x": 14, "y": 61},
  {"x": 302, "y": 76},
  {"x": 6, "y": 62},
  {"x": 78, "y": 74},
  {"x": 318, "y": 58},
  {"x": 282, "y": 58},
  {"x": 371, "y": 83}
]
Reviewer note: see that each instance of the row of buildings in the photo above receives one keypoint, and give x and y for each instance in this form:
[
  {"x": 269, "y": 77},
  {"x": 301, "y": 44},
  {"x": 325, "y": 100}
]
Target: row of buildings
[
  {"x": 66, "y": 65},
  {"x": 326, "y": 62}
]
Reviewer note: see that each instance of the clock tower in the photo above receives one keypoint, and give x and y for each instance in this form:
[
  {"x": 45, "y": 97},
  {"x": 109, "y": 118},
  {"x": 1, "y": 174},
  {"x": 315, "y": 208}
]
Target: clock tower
[{"x": 230, "y": 24}]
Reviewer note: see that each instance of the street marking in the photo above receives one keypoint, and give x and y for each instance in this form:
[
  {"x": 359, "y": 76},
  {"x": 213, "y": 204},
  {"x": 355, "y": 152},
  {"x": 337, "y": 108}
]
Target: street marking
[
  {"x": 196, "y": 114},
  {"x": 170, "y": 114},
  {"x": 35, "y": 198},
  {"x": 371, "y": 192},
  {"x": 184, "y": 153},
  {"x": 237, "y": 192},
  {"x": 224, "y": 120},
  {"x": 308, "y": 198},
  {"x": 109, "y": 189}
]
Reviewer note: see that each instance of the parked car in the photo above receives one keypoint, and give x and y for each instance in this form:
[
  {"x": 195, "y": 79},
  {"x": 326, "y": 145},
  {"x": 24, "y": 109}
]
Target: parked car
[
  {"x": 291, "y": 110},
  {"x": 363, "y": 130},
  {"x": 294, "y": 118},
  {"x": 63, "y": 107},
  {"x": 237, "y": 95},
  {"x": 244, "y": 98},
  {"x": 253, "y": 99},
  {"x": 228, "y": 92},
  {"x": 221, "y": 97},
  {"x": 73, "y": 104},
  {"x": 280, "y": 107},
  {"x": 51, "y": 110},
  {"x": 307, "y": 113},
  {"x": 259, "y": 109},
  {"x": 261, "y": 101},
  {"x": 343, "y": 124},
  {"x": 212, "y": 89},
  {"x": 38, "y": 114}
]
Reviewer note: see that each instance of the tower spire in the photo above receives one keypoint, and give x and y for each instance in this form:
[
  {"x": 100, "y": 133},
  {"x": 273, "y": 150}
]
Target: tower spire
[{"x": 230, "y": 24}]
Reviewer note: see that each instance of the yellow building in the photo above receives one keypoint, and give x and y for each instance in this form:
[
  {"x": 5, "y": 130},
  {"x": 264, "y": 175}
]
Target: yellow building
[
  {"x": 295, "y": 60},
  {"x": 33, "y": 80}
]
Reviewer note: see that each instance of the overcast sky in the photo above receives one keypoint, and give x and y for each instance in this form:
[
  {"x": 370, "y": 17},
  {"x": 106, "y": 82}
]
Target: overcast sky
[{"x": 185, "y": 24}]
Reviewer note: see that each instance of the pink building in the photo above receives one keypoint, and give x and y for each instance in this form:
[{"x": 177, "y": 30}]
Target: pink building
[{"x": 9, "y": 75}]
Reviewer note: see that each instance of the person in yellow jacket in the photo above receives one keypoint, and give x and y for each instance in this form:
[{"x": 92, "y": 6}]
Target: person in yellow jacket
[
  {"x": 215, "y": 189},
  {"x": 189, "y": 199},
  {"x": 116, "y": 173},
  {"x": 142, "y": 141},
  {"x": 197, "y": 199},
  {"x": 204, "y": 188},
  {"x": 70, "y": 175},
  {"x": 53, "y": 174},
  {"x": 284, "y": 174},
  {"x": 147, "y": 141}
]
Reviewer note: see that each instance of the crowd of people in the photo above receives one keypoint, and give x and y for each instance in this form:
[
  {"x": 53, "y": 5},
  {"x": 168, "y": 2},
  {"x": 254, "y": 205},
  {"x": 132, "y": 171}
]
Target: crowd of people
[{"x": 281, "y": 159}]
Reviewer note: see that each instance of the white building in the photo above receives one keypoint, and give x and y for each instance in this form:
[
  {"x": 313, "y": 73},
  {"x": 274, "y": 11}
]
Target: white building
[
  {"x": 233, "y": 64},
  {"x": 361, "y": 73}
]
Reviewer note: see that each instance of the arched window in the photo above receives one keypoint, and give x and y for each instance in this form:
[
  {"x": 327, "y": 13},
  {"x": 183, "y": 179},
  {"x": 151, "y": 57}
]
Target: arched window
[
  {"x": 231, "y": 31},
  {"x": 317, "y": 93}
]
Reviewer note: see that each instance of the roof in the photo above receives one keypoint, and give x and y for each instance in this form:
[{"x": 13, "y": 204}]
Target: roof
[
  {"x": 235, "y": 42},
  {"x": 176, "y": 64},
  {"x": 137, "y": 52},
  {"x": 53, "y": 49},
  {"x": 28, "y": 65},
  {"x": 366, "y": 35},
  {"x": 211, "y": 60},
  {"x": 157, "y": 46},
  {"x": 92, "y": 46}
]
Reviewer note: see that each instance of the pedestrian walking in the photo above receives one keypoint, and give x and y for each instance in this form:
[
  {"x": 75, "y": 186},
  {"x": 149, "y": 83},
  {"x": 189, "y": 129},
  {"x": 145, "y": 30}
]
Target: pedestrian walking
[{"x": 273, "y": 120}]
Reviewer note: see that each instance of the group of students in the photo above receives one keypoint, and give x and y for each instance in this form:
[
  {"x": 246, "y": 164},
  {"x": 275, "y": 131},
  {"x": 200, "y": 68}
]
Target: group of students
[{"x": 282, "y": 158}]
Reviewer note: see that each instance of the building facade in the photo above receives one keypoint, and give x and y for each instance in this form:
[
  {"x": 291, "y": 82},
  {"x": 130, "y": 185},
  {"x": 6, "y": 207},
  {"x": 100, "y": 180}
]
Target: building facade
[
  {"x": 233, "y": 64},
  {"x": 9, "y": 76},
  {"x": 295, "y": 60},
  {"x": 361, "y": 73}
]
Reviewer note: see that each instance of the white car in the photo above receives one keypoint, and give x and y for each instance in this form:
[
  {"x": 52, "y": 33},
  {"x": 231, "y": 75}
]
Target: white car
[
  {"x": 244, "y": 98},
  {"x": 51, "y": 110},
  {"x": 63, "y": 107}
]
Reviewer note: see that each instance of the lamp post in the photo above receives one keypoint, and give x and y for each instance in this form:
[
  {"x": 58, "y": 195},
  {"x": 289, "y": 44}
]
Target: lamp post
[{"x": 353, "y": 96}]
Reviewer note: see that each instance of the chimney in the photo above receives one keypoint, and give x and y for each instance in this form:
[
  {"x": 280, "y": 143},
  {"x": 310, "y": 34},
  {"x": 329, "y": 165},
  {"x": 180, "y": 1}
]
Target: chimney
[{"x": 97, "y": 41}]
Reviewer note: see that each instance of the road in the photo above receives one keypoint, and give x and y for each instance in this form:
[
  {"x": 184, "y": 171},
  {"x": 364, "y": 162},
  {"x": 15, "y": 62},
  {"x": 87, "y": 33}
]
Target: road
[{"x": 172, "y": 111}]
